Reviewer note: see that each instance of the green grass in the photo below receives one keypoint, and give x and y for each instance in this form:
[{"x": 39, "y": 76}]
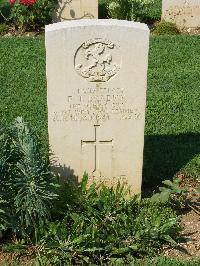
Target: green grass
[
  {"x": 172, "y": 133},
  {"x": 23, "y": 83},
  {"x": 172, "y": 130}
]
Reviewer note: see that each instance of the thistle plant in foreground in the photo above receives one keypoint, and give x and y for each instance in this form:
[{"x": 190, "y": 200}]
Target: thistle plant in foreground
[
  {"x": 33, "y": 182},
  {"x": 28, "y": 185}
]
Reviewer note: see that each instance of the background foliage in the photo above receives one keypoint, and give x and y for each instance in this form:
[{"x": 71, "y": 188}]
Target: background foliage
[
  {"x": 128, "y": 9},
  {"x": 150, "y": 13},
  {"x": 32, "y": 17}
]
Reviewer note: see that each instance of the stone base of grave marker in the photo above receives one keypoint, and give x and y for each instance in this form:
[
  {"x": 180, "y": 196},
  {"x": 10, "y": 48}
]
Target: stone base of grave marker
[
  {"x": 184, "y": 13},
  {"x": 97, "y": 78}
]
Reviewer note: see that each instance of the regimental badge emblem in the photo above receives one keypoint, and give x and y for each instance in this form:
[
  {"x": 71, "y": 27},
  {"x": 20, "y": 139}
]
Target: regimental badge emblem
[{"x": 97, "y": 60}]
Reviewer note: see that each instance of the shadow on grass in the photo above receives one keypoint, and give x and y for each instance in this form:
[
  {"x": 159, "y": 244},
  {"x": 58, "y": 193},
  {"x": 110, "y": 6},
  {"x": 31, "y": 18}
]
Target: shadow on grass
[{"x": 166, "y": 155}]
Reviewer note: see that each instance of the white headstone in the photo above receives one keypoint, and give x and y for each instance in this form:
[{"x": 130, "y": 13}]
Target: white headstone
[
  {"x": 76, "y": 9},
  {"x": 97, "y": 78},
  {"x": 184, "y": 13}
]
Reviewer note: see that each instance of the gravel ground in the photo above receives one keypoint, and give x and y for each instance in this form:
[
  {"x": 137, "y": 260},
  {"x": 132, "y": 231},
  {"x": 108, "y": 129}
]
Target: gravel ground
[{"x": 189, "y": 247}]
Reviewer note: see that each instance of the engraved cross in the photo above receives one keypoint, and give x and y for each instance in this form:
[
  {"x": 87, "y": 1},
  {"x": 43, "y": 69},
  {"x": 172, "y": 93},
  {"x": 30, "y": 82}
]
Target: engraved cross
[{"x": 96, "y": 143}]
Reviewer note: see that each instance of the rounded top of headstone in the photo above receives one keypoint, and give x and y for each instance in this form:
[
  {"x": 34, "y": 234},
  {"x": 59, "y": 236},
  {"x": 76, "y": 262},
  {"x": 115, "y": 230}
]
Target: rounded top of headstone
[{"x": 96, "y": 22}]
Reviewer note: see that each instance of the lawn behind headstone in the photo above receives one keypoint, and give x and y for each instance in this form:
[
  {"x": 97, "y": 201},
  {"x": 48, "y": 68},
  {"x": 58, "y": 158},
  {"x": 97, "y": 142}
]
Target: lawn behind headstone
[
  {"x": 172, "y": 140},
  {"x": 173, "y": 119}
]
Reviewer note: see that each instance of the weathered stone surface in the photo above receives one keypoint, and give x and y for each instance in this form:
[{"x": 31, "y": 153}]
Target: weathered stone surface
[
  {"x": 96, "y": 77},
  {"x": 184, "y": 13},
  {"x": 76, "y": 9}
]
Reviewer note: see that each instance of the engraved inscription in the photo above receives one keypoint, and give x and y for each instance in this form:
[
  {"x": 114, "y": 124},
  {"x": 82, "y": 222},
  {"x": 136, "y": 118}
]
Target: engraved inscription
[
  {"x": 97, "y": 105},
  {"x": 186, "y": 9},
  {"x": 97, "y": 60},
  {"x": 96, "y": 143},
  {"x": 181, "y": 10}
]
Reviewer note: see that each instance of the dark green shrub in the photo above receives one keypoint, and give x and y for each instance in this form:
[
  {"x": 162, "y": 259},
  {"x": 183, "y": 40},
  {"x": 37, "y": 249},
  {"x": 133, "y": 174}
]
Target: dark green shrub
[
  {"x": 4, "y": 10},
  {"x": 165, "y": 28},
  {"x": 103, "y": 12}
]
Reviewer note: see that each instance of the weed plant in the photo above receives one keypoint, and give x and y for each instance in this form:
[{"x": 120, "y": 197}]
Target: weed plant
[
  {"x": 3, "y": 28},
  {"x": 165, "y": 28},
  {"x": 99, "y": 225}
]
